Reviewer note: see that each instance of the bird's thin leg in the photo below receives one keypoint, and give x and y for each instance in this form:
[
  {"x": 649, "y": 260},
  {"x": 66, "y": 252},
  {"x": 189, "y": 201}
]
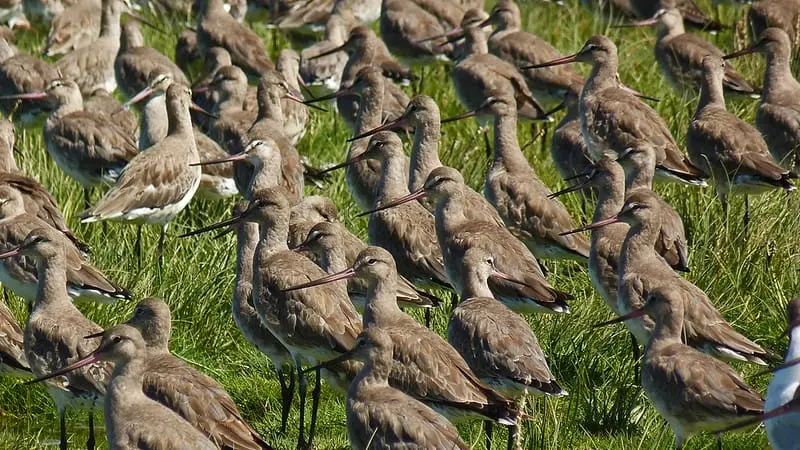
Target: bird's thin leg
[
  {"x": 513, "y": 437},
  {"x": 545, "y": 132},
  {"x": 315, "y": 407},
  {"x": 427, "y": 317},
  {"x": 87, "y": 198},
  {"x": 636, "y": 355},
  {"x": 746, "y": 214},
  {"x": 138, "y": 245},
  {"x": 719, "y": 442},
  {"x": 487, "y": 425},
  {"x": 486, "y": 143},
  {"x": 62, "y": 421},
  {"x": 161, "y": 238},
  {"x": 286, "y": 398},
  {"x": 302, "y": 389},
  {"x": 90, "y": 441}
]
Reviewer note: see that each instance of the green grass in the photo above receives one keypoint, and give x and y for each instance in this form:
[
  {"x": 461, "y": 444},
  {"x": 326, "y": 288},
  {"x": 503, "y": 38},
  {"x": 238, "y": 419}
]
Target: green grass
[{"x": 750, "y": 278}]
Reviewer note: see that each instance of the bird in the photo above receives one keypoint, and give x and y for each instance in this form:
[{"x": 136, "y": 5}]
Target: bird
[
  {"x": 692, "y": 391},
  {"x": 382, "y": 416},
  {"x": 159, "y": 182},
  {"x": 23, "y": 76},
  {"x": 196, "y": 397},
  {"x": 83, "y": 280},
  {"x": 55, "y": 332},
  {"x": 728, "y": 149},
  {"x": 12, "y": 348},
  {"x": 134, "y": 420},
  {"x": 327, "y": 71},
  {"x": 779, "y": 111}
]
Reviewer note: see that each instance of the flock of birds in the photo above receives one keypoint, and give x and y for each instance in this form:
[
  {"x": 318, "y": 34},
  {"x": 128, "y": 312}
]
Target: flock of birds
[{"x": 311, "y": 295}]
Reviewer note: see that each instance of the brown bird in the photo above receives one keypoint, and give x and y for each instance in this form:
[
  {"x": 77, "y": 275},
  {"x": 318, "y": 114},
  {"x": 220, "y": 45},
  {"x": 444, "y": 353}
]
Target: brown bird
[
  {"x": 101, "y": 101},
  {"x": 196, "y": 397},
  {"x": 692, "y": 391},
  {"x": 327, "y": 70},
  {"x": 217, "y": 28},
  {"x": 613, "y": 119},
  {"x": 728, "y": 149},
  {"x": 568, "y": 149},
  {"x": 783, "y": 14},
  {"x": 22, "y": 74},
  {"x": 680, "y": 56},
  {"x": 778, "y": 115},
  {"x": 12, "y": 348}
]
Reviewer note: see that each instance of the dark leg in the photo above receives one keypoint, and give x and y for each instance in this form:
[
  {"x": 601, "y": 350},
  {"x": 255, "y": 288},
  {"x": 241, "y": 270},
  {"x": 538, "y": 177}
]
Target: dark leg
[
  {"x": 302, "y": 389},
  {"x": 90, "y": 442},
  {"x": 287, "y": 392},
  {"x": 487, "y": 144},
  {"x": 315, "y": 407},
  {"x": 487, "y": 425},
  {"x": 138, "y": 245},
  {"x": 513, "y": 437},
  {"x": 87, "y": 200},
  {"x": 62, "y": 420},
  {"x": 746, "y": 214},
  {"x": 545, "y": 131},
  {"x": 719, "y": 441},
  {"x": 636, "y": 355},
  {"x": 427, "y": 317},
  {"x": 161, "y": 246}
]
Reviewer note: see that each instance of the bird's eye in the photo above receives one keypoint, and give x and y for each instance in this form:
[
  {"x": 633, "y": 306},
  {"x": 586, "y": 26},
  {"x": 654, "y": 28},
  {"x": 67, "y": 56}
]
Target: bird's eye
[
  {"x": 116, "y": 339},
  {"x": 372, "y": 261}
]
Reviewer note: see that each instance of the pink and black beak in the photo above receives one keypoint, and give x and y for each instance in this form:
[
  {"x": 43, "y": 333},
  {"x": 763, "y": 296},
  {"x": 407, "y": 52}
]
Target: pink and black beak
[
  {"x": 745, "y": 51},
  {"x": 16, "y": 251},
  {"x": 340, "y": 48},
  {"x": 302, "y": 101},
  {"x": 640, "y": 23},
  {"x": 388, "y": 126},
  {"x": 419, "y": 193},
  {"x": 340, "y": 93},
  {"x": 346, "y": 356},
  {"x": 555, "y": 62},
  {"x": 638, "y": 94},
  {"x": 198, "y": 109},
  {"x": 216, "y": 226},
  {"x": 141, "y": 95},
  {"x": 589, "y": 176},
  {"x": 635, "y": 314},
  {"x": 450, "y": 34},
  {"x": 232, "y": 158},
  {"x": 349, "y": 162},
  {"x": 202, "y": 89},
  {"x": 346, "y": 274},
  {"x": 594, "y": 225},
  {"x": 94, "y": 357},
  {"x": 470, "y": 113},
  {"x": 25, "y": 96}
]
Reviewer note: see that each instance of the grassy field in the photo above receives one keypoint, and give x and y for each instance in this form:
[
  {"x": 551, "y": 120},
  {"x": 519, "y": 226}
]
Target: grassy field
[{"x": 750, "y": 278}]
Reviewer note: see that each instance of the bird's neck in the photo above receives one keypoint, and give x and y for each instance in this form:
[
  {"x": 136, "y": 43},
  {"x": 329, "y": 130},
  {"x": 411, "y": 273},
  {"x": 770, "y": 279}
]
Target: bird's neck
[
  {"x": 474, "y": 287},
  {"x": 710, "y": 94},
  {"x": 264, "y": 176},
  {"x": 668, "y": 330},
  {"x": 69, "y": 105},
  {"x": 109, "y": 25},
  {"x": 381, "y": 304},
  {"x": 246, "y": 242},
  {"x": 792, "y": 353},
  {"x": 637, "y": 176},
  {"x": 272, "y": 236},
  {"x": 602, "y": 76},
  {"x": 370, "y": 109},
  {"x": 180, "y": 123},
  {"x": 154, "y": 126},
  {"x": 610, "y": 199},
  {"x": 126, "y": 383},
  {"x": 333, "y": 260},
  {"x": 449, "y": 214},
  {"x": 778, "y": 79},
  {"x": 393, "y": 182},
  {"x": 507, "y": 151},
  {"x": 673, "y": 30},
  {"x": 424, "y": 153},
  {"x": 640, "y": 241},
  {"x": 52, "y": 276},
  {"x": 375, "y": 372},
  {"x": 269, "y": 107},
  {"x": 7, "y": 161}
]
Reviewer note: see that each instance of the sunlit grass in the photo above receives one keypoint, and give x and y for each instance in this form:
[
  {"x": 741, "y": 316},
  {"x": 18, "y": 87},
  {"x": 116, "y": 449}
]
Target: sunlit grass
[{"x": 750, "y": 278}]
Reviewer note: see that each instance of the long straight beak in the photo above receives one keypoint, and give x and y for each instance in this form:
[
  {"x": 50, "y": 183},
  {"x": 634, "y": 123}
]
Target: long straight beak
[
  {"x": 11, "y": 253},
  {"x": 461, "y": 116},
  {"x": 638, "y": 94},
  {"x": 592, "y": 226},
  {"x": 338, "y": 276},
  {"x": 146, "y": 22},
  {"x": 504, "y": 276},
  {"x": 555, "y": 62},
  {"x": 302, "y": 101},
  {"x": 225, "y": 223},
  {"x": 349, "y": 162},
  {"x": 387, "y": 126},
  {"x": 742, "y": 52},
  {"x": 640, "y": 23},
  {"x": 93, "y": 358},
  {"x": 636, "y": 313},
  {"x": 141, "y": 95},
  {"x": 196, "y": 108},
  {"x": 557, "y": 108},
  {"x": 237, "y": 157},
  {"x": 454, "y": 32},
  {"x": 788, "y": 407},
  {"x": 201, "y": 89},
  {"x": 329, "y": 52},
  {"x": 25, "y": 96},
  {"x": 396, "y": 202},
  {"x": 332, "y": 362},
  {"x": 332, "y": 95},
  {"x": 574, "y": 187}
]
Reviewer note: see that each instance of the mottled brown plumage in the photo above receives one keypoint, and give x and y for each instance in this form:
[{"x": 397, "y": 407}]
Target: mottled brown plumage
[
  {"x": 783, "y": 14},
  {"x": 12, "y": 349},
  {"x": 217, "y": 28},
  {"x": 568, "y": 149},
  {"x": 196, "y": 397},
  {"x": 100, "y": 101},
  {"x": 76, "y": 26},
  {"x": 406, "y": 25},
  {"x": 728, "y": 149}
]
